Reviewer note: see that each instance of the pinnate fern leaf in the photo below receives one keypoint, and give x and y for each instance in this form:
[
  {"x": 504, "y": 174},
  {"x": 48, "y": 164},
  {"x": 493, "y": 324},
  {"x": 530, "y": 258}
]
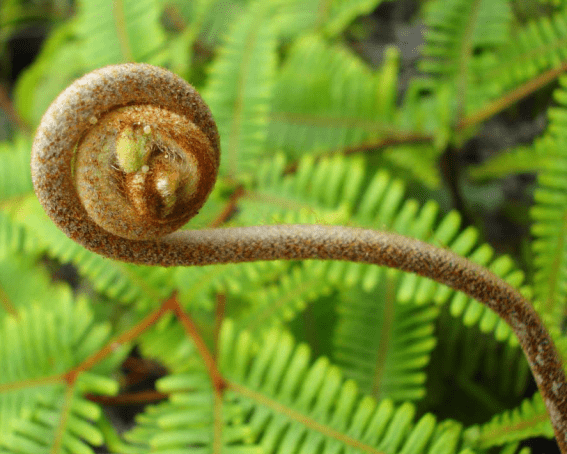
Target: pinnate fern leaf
[
  {"x": 456, "y": 28},
  {"x": 528, "y": 420},
  {"x": 383, "y": 345},
  {"x": 278, "y": 400},
  {"x": 293, "y": 404},
  {"x": 188, "y": 420},
  {"x": 124, "y": 282},
  {"x": 239, "y": 88},
  {"x": 534, "y": 48},
  {"x": 38, "y": 410},
  {"x": 114, "y": 32},
  {"x": 522, "y": 159},
  {"x": 331, "y": 102},
  {"x": 549, "y": 214},
  {"x": 461, "y": 44},
  {"x": 15, "y": 177}
]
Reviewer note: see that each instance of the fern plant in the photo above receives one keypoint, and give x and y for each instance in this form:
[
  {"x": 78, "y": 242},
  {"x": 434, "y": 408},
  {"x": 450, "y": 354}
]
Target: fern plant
[{"x": 291, "y": 356}]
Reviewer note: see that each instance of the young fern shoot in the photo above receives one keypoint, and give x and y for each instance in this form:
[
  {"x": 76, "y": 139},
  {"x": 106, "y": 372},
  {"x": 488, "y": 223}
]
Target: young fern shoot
[{"x": 128, "y": 153}]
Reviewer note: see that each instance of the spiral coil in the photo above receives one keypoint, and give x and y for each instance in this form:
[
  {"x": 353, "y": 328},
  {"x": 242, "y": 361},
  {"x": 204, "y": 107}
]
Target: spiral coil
[{"x": 128, "y": 151}]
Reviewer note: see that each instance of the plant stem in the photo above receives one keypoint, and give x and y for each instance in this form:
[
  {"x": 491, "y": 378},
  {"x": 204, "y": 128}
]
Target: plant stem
[{"x": 90, "y": 98}]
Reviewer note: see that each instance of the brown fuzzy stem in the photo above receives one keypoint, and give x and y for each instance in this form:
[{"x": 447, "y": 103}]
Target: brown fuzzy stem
[{"x": 63, "y": 126}]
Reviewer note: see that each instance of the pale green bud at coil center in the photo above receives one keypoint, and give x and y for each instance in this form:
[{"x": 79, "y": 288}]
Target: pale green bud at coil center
[{"x": 131, "y": 149}]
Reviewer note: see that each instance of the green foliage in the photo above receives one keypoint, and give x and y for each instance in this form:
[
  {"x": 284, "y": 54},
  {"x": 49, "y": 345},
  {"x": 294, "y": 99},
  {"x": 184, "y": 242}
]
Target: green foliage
[
  {"x": 321, "y": 411},
  {"x": 112, "y": 31},
  {"x": 521, "y": 159},
  {"x": 35, "y": 408},
  {"x": 317, "y": 356},
  {"x": 239, "y": 87},
  {"x": 528, "y": 419},
  {"x": 535, "y": 46},
  {"x": 332, "y": 103}
]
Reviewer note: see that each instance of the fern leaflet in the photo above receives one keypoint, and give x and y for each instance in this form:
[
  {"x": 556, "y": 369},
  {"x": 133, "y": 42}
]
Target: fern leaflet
[
  {"x": 239, "y": 88},
  {"x": 36, "y": 408}
]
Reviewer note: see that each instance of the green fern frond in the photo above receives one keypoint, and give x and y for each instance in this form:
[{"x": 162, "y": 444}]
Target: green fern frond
[
  {"x": 14, "y": 238},
  {"x": 336, "y": 102},
  {"x": 39, "y": 85},
  {"x": 549, "y": 214},
  {"x": 292, "y": 404},
  {"x": 383, "y": 345},
  {"x": 277, "y": 399},
  {"x": 532, "y": 49},
  {"x": 461, "y": 44},
  {"x": 35, "y": 408},
  {"x": 481, "y": 368},
  {"x": 37, "y": 432},
  {"x": 529, "y": 420},
  {"x": 188, "y": 420},
  {"x": 457, "y": 28},
  {"x": 331, "y": 102},
  {"x": 15, "y": 176},
  {"x": 522, "y": 159},
  {"x": 127, "y": 283},
  {"x": 114, "y": 32},
  {"x": 239, "y": 88}
]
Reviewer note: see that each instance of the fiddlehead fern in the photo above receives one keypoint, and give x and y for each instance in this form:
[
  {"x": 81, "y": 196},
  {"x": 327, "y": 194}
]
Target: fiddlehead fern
[
  {"x": 146, "y": 158},
  {"x": 158, "y": 147}
]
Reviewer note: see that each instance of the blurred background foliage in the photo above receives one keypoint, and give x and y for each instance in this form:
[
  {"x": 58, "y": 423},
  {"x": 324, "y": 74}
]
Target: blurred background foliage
[{"x": 443, "y": 120}]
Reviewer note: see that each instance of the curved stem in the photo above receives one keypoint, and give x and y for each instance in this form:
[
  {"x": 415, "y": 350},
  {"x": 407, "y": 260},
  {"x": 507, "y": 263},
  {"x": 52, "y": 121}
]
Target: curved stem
[
  {"x": 294, "y": 242},
  {"x": 325, "y": 242},
  {"x": 92, "y": 96}
]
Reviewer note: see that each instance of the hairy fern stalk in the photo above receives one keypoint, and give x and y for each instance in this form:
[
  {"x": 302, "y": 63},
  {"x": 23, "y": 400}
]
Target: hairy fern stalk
[{"x": 304, "y": 356}]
